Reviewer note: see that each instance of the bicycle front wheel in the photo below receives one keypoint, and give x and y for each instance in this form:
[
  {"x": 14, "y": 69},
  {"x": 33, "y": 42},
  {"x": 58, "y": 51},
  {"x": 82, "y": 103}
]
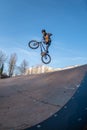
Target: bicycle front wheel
[
  {"x": 33, "y": 44},
  {"x": 46, "y": 59}
]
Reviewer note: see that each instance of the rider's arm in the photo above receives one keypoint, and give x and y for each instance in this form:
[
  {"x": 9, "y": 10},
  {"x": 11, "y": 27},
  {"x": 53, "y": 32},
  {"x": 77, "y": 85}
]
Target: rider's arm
[{"x": 50, "y": 34}]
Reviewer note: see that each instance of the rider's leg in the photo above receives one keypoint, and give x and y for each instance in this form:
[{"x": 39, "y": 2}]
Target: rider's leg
[{"x": 47, "y": 47}]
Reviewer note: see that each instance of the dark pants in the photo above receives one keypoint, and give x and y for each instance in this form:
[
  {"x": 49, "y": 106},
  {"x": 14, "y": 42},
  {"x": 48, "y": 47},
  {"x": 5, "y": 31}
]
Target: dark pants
[{"x": 47, "y": 46}]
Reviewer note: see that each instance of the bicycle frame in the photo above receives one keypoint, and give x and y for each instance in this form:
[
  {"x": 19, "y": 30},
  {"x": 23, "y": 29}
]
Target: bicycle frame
[
  {"x": 42, "y": 47},
  {"x": 45, "y": 57}
]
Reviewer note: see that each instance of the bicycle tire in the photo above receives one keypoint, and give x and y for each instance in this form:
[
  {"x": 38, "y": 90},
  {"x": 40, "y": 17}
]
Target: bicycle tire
[
  {"x": 46, "y": 59},
  {"x": 33, "y": 44}
]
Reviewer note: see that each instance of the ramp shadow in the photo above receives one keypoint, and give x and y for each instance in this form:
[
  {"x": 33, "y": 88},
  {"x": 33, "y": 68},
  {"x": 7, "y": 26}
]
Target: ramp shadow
[{"x": 72, "y": 116}]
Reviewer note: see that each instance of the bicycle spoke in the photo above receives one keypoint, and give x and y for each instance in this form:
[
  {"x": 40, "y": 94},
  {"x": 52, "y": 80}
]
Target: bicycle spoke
[{"x": 46, "y": 59}]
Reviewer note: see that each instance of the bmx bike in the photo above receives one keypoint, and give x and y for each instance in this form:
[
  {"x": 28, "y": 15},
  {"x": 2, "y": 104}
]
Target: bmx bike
[{"x": 45, "y": 57}]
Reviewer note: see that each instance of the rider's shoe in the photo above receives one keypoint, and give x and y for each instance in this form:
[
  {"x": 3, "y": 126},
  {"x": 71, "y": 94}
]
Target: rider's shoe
[{"x": 47, "y": 51}]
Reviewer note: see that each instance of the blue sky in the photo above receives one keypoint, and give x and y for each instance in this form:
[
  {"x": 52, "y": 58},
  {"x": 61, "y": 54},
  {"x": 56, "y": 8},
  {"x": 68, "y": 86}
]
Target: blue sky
[{"x": 23, "y": 20}]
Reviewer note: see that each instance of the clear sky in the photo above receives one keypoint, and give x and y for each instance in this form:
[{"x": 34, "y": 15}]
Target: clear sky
[{"x": 23, "y": 20}]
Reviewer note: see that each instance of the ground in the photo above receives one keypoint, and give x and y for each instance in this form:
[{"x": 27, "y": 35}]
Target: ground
[{"x": 28, "y": 100}]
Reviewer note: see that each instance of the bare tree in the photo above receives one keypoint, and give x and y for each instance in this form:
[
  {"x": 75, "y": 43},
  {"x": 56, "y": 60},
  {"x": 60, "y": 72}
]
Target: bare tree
[
  {"x": 12, "y": 64},
  {"x": 2, "y": 61},
  {"x": 23, "y": 67},
  {"x": 2, "y": 58},
  {"x": 1, "y": 70}
]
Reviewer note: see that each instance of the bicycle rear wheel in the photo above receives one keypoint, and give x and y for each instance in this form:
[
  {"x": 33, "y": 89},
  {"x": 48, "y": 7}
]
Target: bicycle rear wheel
[
  {"x": 33, "y": 44},
  {"x": 46, "y": 59}
]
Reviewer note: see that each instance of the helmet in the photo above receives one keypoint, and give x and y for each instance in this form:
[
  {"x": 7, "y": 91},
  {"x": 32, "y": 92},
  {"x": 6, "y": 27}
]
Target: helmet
[{"x": 43, "y": 30}]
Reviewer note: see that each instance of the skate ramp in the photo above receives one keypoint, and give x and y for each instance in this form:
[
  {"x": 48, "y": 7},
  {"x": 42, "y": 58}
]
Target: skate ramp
[{"x": 26, "y": 101}]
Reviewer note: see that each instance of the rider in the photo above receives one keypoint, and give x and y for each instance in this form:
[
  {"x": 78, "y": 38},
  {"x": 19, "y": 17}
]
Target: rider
[{"x": 47, "y": 39}]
